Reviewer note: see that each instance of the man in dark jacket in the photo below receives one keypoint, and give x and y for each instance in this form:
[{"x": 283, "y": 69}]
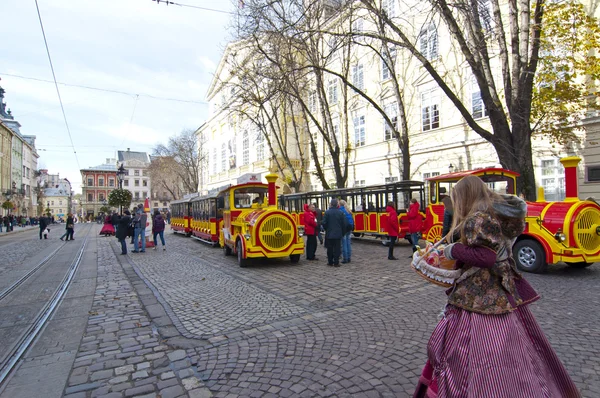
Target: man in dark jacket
[
  {"x": 114, "y": 220},
  {"x": 43, "y": 226},
  {"x": 122, "y": 227},
  {"x": 335, "y": 225},
  {"x": 319, "y": 215}
]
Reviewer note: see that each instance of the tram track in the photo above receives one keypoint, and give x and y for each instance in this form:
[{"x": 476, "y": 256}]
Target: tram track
[{"x": 10, "y": 359}]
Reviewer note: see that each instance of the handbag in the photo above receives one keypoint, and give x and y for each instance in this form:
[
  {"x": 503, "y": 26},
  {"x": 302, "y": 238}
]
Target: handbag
[
  {"x": 431, "y": 265},
  {"x": 70, "y": 225}
]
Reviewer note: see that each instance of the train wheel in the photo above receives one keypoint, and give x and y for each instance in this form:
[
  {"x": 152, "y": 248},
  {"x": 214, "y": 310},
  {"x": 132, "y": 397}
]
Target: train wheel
[
  {"x": 241, "y": 260},
  {"x": 226, "y": 250},
  {"x": 294, "y": 258},
  {"x": 581, "y": 264},
  {"x": 530, "y": 256},
  {"x": 434, "y": 234}
]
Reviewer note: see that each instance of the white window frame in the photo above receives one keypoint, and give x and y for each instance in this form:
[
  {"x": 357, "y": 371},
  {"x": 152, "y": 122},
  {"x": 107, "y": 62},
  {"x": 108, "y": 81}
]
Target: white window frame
[
  {"x": 391, "y": 110},
  {"x": 245, "y": 148},
  {"x": 389, "y": 7},
  {"x": 386, "y": 71},
  {"x": 430, "y": 110},
  {"x": 332, "y": 94},
  {"x": 428, "y": 42},
  {"x": 359, "y": 131},
  {"x": 260, "y": 147},
  {"x": 358, "y": 76},
  {"x": 312, "y": 101},
  {"x": 223, "y": 157},
  {"x": 215, "y": 161},
  {"x": 553, "y": 179},
  {"x": 478, "y": 109}
]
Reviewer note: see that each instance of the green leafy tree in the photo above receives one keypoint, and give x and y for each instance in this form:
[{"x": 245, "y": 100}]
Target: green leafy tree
[
  {"x": 120, "y": 197},
  {"x": 7, "y": 205},
  {"x": 564, "y": 89}
]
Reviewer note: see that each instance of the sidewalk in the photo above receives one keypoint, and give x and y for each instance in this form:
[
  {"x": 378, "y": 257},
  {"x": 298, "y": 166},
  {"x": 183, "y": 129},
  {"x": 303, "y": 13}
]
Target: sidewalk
[{"x": 18, "y": 229}]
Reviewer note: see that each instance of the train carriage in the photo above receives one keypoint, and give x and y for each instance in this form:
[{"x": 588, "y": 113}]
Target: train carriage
[
  {"x": 366, "y": 204},
  {"x": 181, "y": 215},
  {"x": 566, "y": 231},
  {"x": 253, "y": 226},
  {"x": 206, "y": 218}
]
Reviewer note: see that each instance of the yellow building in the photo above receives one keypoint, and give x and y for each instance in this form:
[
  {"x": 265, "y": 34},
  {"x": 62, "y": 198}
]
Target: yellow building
[{"x": 6, "y": 136}]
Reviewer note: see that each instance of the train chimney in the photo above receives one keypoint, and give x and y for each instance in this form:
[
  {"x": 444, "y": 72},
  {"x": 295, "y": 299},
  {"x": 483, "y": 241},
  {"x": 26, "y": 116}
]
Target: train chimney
[
  {"x": 571, "y": 179},
  {"x": 271, "y": 178}
]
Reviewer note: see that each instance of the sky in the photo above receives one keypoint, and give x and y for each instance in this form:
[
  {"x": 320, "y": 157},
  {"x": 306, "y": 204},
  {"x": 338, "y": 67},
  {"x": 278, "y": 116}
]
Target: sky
[{"x": 136, "y": 47}]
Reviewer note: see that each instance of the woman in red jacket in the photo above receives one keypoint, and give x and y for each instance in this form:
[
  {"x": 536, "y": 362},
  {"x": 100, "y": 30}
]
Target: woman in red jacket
[
  {"x": 415, "y": 222},
  {"x": 392, "y": 228},
  {"x": 310, "y": 230}
]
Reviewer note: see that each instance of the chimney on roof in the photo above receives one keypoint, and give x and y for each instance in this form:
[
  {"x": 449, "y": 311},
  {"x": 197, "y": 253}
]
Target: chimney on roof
[{"x": 127, "y": 149}]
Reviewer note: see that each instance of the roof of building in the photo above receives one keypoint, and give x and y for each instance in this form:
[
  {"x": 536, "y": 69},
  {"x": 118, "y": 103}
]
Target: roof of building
[
  {"x": 56, "y": 192},
  {"x": 102, "y": 167},
  {"x": 124, "y": 156}
]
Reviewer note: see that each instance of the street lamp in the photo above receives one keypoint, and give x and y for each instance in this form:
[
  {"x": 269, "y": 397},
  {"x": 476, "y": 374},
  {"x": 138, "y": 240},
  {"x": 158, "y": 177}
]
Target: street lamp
[
  {"x": 120, "y": 175},
  {"x": 450, "y": 168}
]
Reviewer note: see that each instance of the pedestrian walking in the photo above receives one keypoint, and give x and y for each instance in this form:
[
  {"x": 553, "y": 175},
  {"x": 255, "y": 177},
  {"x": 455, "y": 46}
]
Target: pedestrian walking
[
  {"x": 310, "y": 231},
  {"x": 158, "y": 229},
  {"x": 139, "y": 232},
  {"x": 415, "y": 222},
  {"x": 114, "y": 220},
  {"x": 122, "y": 229},
  {"x": 319, "y": 216},
  {"x": 43, "y": 225},
  {"x": 392, "y": 228},
  {"x": 488, "y": 344},
  {"x": 168, "y": 217},
  {"x": 70, "y": 227},
  {"x": 107, "y": 228},
  {"x": 347, "y": 238},
  {"x": 334, "y": 223}
]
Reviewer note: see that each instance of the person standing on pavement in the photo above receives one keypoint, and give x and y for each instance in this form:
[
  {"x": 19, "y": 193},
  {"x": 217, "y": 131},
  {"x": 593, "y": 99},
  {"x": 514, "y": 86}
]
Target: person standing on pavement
[
  {"x": 158, "y": 229},
  {"x": 335, "y": 224},
  {"x": 168, "y": 217},
  {"x": 122, "y": 228},
  {"x": 70, "y": 227},
  {"x": 139, "y": 232},
  {"x": 310, "y": 230},
  {"x": 347, "y": 238},
  {"x": 114, "y": 220},
  {"x": 488, "y": 343},
  {"x": 43, "y": 225},
  {"x": 319, "y": 217},
  {"x": 392, "y": 228},
  {"x": 415, "y": 221}
]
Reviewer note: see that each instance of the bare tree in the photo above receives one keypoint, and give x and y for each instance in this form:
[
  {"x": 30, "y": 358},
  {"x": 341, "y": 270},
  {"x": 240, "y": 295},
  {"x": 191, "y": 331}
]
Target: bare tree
[
  {"x": 186, "y": 158},
  {"x": 477, "y": 32},
  {"x": 165, "y": 176}
]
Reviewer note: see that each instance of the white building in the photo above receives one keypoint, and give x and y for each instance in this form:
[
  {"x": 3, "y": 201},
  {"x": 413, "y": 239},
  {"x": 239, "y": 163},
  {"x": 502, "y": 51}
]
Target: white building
[{"x": 137, "y": 177}]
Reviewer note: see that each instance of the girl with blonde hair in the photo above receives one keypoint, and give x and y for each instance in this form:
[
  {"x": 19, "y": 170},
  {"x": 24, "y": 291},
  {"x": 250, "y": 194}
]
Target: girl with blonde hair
[{"x": 488, "y": 344}]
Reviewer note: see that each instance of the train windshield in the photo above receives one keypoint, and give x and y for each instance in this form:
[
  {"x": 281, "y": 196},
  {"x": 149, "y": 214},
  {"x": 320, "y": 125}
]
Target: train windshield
[
  {"x": 501, "y": 184},
  {"x": 248, "y": 197}
]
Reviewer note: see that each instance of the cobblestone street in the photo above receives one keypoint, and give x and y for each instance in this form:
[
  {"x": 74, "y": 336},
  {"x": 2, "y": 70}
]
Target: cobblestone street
[
  {"x": 189, "y": 322},
  {"x": 278, "y": 329}
]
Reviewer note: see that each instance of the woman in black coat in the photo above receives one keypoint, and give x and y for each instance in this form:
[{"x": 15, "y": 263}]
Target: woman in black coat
[{"x": 122, "y": 228}]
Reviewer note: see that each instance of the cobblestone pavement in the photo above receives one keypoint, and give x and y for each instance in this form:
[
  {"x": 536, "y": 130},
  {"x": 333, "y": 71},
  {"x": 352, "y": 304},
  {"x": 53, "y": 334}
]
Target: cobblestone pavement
[{"x": 276, "y": 329}]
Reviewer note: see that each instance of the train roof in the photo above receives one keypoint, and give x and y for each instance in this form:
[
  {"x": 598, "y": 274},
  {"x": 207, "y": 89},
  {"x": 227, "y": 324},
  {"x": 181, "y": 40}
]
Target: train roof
[
  {"x": 183, "y": 200},
  {"x": 457, "y": 175},
  {"x": 402, "y": 185}
]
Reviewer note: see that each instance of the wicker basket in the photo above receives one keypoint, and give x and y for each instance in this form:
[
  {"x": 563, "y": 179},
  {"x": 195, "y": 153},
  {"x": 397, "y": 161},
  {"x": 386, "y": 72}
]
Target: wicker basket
[{"x": 432, "y": 266}]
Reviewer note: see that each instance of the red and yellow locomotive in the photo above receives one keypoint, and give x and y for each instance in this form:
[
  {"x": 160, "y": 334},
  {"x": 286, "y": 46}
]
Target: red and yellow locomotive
[
  {"x": 253, "y": 226},
  {"x": 567, "y": 231}
]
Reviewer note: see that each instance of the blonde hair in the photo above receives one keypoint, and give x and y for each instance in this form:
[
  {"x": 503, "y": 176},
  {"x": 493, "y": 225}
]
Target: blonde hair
[
  {"x": 470, "y": 195},
  {"x": 342, "y": 202}
]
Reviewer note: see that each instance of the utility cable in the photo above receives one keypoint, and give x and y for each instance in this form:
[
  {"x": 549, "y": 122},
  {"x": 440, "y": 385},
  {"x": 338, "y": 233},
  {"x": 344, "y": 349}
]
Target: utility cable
[
  {"x": 130, "y": 119},
  {"x": 105, "y": 89},
  {"x": 56, "y": 84},
  {"x": 167, "y": 2}
]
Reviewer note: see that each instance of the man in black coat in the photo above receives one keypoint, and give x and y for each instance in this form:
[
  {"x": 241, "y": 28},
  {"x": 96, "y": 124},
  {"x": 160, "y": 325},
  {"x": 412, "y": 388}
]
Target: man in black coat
[
  {"x": 335, "y": 225},
  {"x": 114, "y": 220},
  {"x": 122, "y": 227},
  {"x": 43, "y": 226},
  {"x": 319, "y": 222}
]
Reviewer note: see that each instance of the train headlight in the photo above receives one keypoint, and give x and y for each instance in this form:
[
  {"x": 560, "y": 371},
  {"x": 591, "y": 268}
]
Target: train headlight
[
  {"x": 300, "y": 230},
  {"x": 560, "y": 236},
  {"x": 598, "y": 230},
  {"x": 247, "y": 235}
]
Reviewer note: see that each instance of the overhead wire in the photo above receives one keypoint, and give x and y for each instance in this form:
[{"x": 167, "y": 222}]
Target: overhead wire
[
  {"x": 105, "y": 89},
  {"x": 167, "y": 2},
  {"x": 56, "y": 84}
]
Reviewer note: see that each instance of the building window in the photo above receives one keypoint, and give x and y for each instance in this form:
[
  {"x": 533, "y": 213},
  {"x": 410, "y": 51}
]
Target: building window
[
  {"x": 137, "y": 195},
  {"x": 101, "y": 197},
  {"x": 111, "y": 183},
  {"x": 100, "y": 182},
  {"x": 214, "y": 161},
  {"x": 90, "y": 197},
  {"x": 388, "y": 6},
  {"x": 485, "y": 15},
  {"x": 430, "y": 110},
  {"x": 478, "y": 109},
  {"x": 312, "y": 102},
  {"x": 389, "y": 180},
  {"x": 391, "y": 110},
  {"x": 359, "y": 131},
  {"x": 357, "y": 25},
  {"x": 155, "y": 204},
  {"x": 136, "y": 172},
  {"x": 332, "y": 95},
  {"x": 60, "y": 210},
  {"x": 592, "y": 174},
  {"x": 126, "y": 183},
  {"x": 223, "y": 157},
  {"x": 553, "y": 180},
  {"x": 60, "y": 202},
  {"x": 260, "y": 147},
  {"x": 52, "y": 203},
  {"x": 245, "y": 148},
  {"x": 145, "y": 173},
  {"x": 359, "y": 183},
  {"x": 145, "y": 194},
  {"x": 387, "y": 62},
  {"x": 144, "y": 183},
  {"x": 358, "y": 80},
  {"x": 428, "y": 42},
  {"x": 136, "y": 183},
  {"x": 90, "y": 182}
]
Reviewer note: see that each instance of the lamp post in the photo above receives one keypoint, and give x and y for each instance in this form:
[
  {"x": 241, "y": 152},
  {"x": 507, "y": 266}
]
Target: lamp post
[
  {"x": 120, "y": 175},
  {"x": 450, "y": 168}
]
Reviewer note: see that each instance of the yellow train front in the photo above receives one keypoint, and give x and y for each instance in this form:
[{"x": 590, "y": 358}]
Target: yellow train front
[{"x": 253, "y": 227}]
